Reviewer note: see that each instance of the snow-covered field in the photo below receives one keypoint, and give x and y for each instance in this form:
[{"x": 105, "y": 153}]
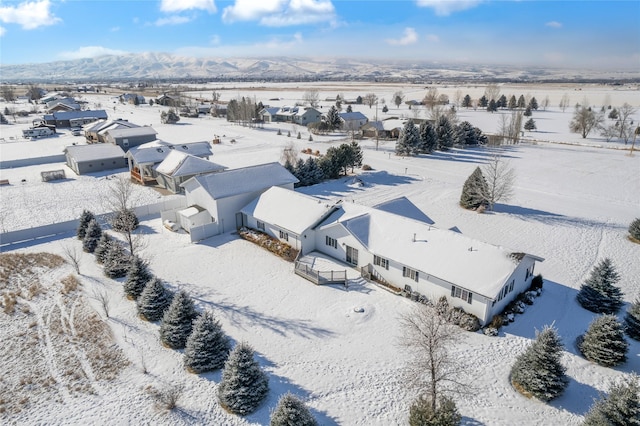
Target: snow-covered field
[{"x": 572, "y": 206}]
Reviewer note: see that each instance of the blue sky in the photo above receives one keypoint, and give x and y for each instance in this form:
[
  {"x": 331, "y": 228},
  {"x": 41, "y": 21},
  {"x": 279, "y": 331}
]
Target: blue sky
[{"x": 571, "y": 34}]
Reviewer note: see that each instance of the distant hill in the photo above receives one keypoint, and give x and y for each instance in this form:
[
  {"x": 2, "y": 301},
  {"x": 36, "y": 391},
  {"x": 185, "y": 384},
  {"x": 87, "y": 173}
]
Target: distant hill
[{"x": 163, "y": 66}]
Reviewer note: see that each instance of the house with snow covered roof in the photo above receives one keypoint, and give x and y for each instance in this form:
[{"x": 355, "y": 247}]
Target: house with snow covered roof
[
  {"x": 405, "y": 252},
  {"x": 353, "y": 120},
  {"x": 293, "y": 114},
  {"x": 179, "y": 166},
  {"x": 129, "y": 137},
  {"x": 84, "y": 159},
  {"x": 96, "y": 133}
]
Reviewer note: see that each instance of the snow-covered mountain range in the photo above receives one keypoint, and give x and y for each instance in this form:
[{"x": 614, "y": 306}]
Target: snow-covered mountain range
[{"x": 164, "y": 66}]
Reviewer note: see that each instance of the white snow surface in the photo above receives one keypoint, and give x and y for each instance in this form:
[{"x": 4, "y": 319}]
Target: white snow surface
[{"x": 572, "y": 205}]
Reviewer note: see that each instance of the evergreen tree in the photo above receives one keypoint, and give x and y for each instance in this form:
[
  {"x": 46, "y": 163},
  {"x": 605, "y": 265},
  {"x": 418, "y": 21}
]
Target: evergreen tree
[
  {"x": 613, "y": 114},
  {"x": 355, "y": 157},
  {"x": 300, "y": 172},
  {"x": 138, "y": 275},
  {"x": 92, "y": 236},
  {"x": 502, "y": 102},
  {"x": 604, "y": 343},
  {"x": 521, "y": 102},
  {"x": 474, "y": 191},
  {"x": 116, "y": 261},
  {"x": 125, "y": 221},
  {"x": 102, "y": 248},
  {"x": 538, "y": 372},
  {"x": 291, "y": 411},
  {"x": 428, "y": 138},
  {"x": 289, "y": 167},
  {"x": 349, "y": 108},
  {"x": 153, "y": 301},
  {"x": 620, "y": 408},
  {"x": 483, "y": 101},
  {"x": 177, "y": 321},
  {"x": 513, "y": 104},
  {"x": 632, "y": 320},
  {"x": 83, "y": 223},
  {"x": 385, "y": 109},
  {"x": 333, "y": 119},
  {"x": 421, "y": 413},
  {"x": 244, "y": 385},
  {"x": 409, "y": 139},
  {"x": 492, "y": 107},
  {"x": 599, "y": 293},
  {"x": 207, "y": 347},
  {"x": 634, "y": 229},
  {"x": 466, "y": 134},
  {"x": 466, "y": 102},
  {"x": 530, "y": 124},
  {"x": 330, "y": 163},
  {"x": 444, "y": 132},
  {"x": 533, "y": 104},
  {"x": 314, "y": 171},
  {"x": 527, "y": 112}
]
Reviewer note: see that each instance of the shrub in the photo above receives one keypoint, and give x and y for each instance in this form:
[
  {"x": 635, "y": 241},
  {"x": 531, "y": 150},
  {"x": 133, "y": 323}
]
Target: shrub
[
  {"x": 422, "y": 413},
  {"x": 536, "y": 282},
  {"x": 279, "y": 132},
  {"x": 291, "y": 411},
  {"x": 125, "y": 221},
  {"x": 599, "y": 294},
  {"x": 310, "y": 138},
  {"x": 366, "y": 167},
  {"x": 244, "y": 385},
  {"x": 299, "y": 136},
  {"x": 634, "y": 229},
  {"x": 207, "y": 347}
]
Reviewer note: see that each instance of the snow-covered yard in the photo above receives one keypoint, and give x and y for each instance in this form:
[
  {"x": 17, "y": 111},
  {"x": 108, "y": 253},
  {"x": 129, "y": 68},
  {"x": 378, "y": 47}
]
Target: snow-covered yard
[{"x": 572, "y": 206}]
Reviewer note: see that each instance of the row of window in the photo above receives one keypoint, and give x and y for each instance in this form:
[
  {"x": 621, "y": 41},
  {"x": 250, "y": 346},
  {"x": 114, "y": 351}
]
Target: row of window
[
  {"x": 331, "y": 242},
  {"x": 381, "y": 261},
  {"x": 508, "y": 288},
  {"x": 460, "y": 293},
  {"x": 410, "y": 273}
]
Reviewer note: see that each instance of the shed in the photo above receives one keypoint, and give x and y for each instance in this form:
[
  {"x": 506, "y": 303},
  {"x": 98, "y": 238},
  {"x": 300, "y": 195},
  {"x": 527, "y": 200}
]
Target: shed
[
  {"x": 193, "y": 216},
  {"x": 84, "y": 159}
]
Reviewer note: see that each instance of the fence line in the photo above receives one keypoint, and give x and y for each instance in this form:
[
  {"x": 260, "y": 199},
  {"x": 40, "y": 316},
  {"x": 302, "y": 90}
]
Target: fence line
[{"x": 24, "y": 162}]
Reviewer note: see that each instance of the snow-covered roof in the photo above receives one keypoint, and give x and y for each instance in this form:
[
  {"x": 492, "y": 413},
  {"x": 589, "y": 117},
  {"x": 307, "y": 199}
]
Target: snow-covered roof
[
  {"x": 125, "y": 132},
  {"x": 94, "y": 152},
  {"x": 288, "y": 209},
  {"x": 472, "y": 264},
  {"x": 68, "y": 115},
  {"x": 155, "y": 152},
  {"x": 244, "y": 180},
  {"x": 191, "y": 211},
  {"x": 179, "y": 163},
  {"x": 404, "y": 207},
  {"x": 104, "y": 125},
  {"x": 270, "y": 110}
]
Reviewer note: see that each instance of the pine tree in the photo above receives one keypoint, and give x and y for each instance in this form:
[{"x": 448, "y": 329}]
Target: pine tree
[
  {"x": 604, "y": 342},
  {"x": 153, "y": 301},
  {"x": 207, "y": 347},
  {"x": 521, "y": 102},
  {"x": 177, "y": 321},
  {"x": 428, "y": 138},
  {"x": 483, "y": 101},
  {"x": 466, "y": 102},
  {"x": 244, "y": 385},
  {"x": 530, "y": 124},
  {"x": 533, "y": 104},
  {"x": 620, "y": 408},
  {"x": 85, "y": 218},
  {"x": 513, "y": 104},
  {"x": 527, "y": 112},
  {"x": 116, "y": 261},
  {"x": 538, "y": 372},
  {"x": 465, "y": 134},
  {"x": 103, "y": 247},
  {"x": 300, "y": 172},
  {"x": 421, "y": 413},
  {"x": 408, "y": 140},
  {"x": 355, "y": 159},
  {"x": 333, "y": 119},
  {"x": 632, "y": 320},
  {"x": 92, "y": 236},
  {"x": 291, "y": 411},
  {"x": 349, "y": 108},
  {"x": 444, "y": 132},
  {"x": 138, "y": 275},
  {"x": 634, "y": 229},
  {"x": 502, "y": 102},
  {"x": 599, "y": 294},
  {"x": 492, "y": 106},
  {"x": 474, "y": 190},
  {"x": 125, "y": 221},
  {"x": 314, "y": 171}
]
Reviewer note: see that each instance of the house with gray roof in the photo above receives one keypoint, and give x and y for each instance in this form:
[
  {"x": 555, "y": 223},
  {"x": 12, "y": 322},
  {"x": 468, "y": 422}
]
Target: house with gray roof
[
  {"x": 96, "y": 133},
  {"x": 129, "y": 137},
  {"x": 74, "y": 118},
  {"x": 353, "y": 120},
  {"x": 179, "y": 166},
  {"x": 84, "y": 159}
]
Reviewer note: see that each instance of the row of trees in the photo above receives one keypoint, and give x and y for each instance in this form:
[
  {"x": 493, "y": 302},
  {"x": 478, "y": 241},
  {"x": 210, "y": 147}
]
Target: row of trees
[
  {"x": 335, "y": 162},
  {"x": 585, "y": 120},
  {"x": 442, "y": 135}
]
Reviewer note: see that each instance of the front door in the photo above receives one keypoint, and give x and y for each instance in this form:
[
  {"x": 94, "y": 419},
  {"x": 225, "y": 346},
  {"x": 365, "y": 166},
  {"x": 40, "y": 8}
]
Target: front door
[{"x": 352, "y": 256}]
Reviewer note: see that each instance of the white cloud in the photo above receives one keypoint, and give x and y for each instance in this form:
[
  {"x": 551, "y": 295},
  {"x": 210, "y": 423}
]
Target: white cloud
[
  {"x": 3, "y": 31},
  {"x": 280, "y": 13},
  {"x": 182, "y": 5},
  {"x": 279, "y": 44},
  {"x": 447, "y": 7},
  {"x": 433, "y": 38},
  {"x": 172, "y": 20},
  {"x": 554, "y": 24},
  {"x": 410, "y": 37},
  {"x": 29, "y": 15},
  {"x": 90, "y": 52}
]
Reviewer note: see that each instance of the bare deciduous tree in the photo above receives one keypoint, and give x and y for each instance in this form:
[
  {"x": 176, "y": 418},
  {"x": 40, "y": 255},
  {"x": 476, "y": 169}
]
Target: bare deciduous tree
[
  {"x": 121, "y": 198},
  {"x": 545, "y": 103},
  {"x": 500, "y": 178},
  {"x": 73, "y": 256},
  {"x": 289, "y": 154},
  {"x": 585, "y": 120},
  {"x": 511, "y": 127},
  {"x": 370, "y": 99},
  {"x": 398, "y": 97},
  {"x": 311, "y": 97},
  {"x": 492, "y": 91},
  {"x": 624, "y": 118},
  {"x": 428, "y": 338},
  {"x": 564, "y": 102},
  {"x": 430, "y": 100},
  {"x": 102, "y": 298}
]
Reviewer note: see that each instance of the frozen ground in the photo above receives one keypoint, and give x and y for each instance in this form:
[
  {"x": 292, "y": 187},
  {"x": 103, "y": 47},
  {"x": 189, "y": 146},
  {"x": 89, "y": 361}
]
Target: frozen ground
[{"x": 572, "y": 206}]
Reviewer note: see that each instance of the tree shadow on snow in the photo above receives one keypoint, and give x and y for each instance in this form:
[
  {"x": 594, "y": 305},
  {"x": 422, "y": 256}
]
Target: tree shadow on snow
[
  {"x": 548, "y": 218},
  {"x": 468, "y": 421},
  {"x": 341, "y": 187},
  {"x": 479, "y": 155},
  {"x": 577, "y": 398}
]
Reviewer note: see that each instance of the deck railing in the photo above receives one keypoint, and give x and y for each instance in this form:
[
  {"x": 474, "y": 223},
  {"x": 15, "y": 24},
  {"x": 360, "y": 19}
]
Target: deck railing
[{"x": 320, "y": 277}]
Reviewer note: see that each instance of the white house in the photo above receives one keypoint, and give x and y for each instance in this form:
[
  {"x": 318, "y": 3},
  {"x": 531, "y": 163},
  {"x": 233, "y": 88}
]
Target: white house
[
  {"x": 353, "y": 120},
  {"x": 223, "y": 194},
  {"x": 407, "y": 253},
  {"x": 179, "y": 166}
]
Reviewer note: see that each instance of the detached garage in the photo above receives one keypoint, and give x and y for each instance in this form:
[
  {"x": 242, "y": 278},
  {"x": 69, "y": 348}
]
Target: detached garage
[{"x": 84, "y": 159}]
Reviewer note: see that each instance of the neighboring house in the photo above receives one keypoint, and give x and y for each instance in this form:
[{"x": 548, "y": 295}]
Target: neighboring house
[
  {"x": 96, "y": 133},
  {"x": 353, "y": 120},
  {"x": 143, "y": 159},
  {"x": 130, "y": 98},
  {"x": 286, "y": 114},
  {"x": 223, "y": 194},
  {"x": 408, "y": 254},
  {"x": 387, "y": 129},
  {"x": 127, "y": 138},
  {"x": 268, "y": 114},
  {"x": 94, "y": 158},
  {"x": 74, "y": 118},
  {"x": 204, "y": 108},
  {"x": 179, "y": 166},
  {"x": 62, "y": 104},
  {"x": 167, "y": 100}
]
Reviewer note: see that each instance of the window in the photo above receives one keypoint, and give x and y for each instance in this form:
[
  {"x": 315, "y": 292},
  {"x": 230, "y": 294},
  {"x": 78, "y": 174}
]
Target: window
[
  {"x": 352, "y": 256},
  {"x": 511, "y": 285},
  {"x": 410, "y": 273},
  {"x": 284, "y": 236},
  {"x": 381, "y": 261},
  {"x": 261, "y": 225},
  {"x": 331, "y": 242},
  {"x": 460, "y": 293}
]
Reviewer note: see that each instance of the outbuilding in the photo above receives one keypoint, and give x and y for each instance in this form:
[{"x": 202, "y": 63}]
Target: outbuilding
[
  {"x": 127, "y": 138},
  {"x": 84, "y": 159}
]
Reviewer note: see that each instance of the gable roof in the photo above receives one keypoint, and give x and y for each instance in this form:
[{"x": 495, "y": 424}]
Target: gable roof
[
  {"x": 178, "y": 163},
  {"x": 100, "y": 151},
  {"x": 356, "y": 115},
  {"x": 124, "y": 132},
  {"x": 443, "y": 254},
  {"x": 104, "y": 125},
  {"x": 68, "y": 115},
  {"x": 241, "y": 181},
  {"x": 156, "y": 151},
  {"x": 288, "y": 209}
]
